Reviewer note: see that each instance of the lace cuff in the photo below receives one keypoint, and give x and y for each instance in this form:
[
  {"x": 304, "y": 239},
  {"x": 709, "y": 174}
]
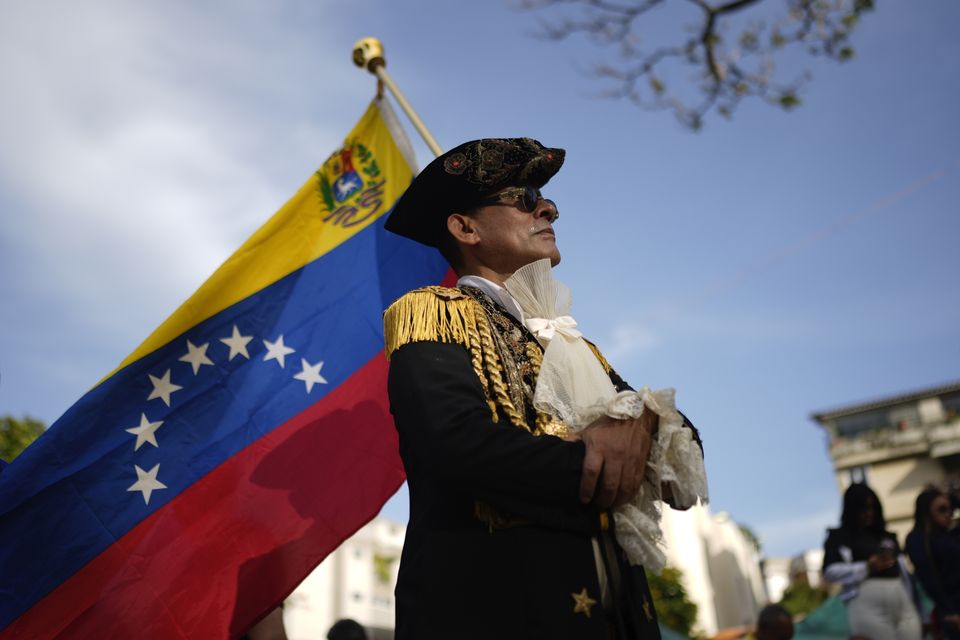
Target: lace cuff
[{"x": 675, "y": 462}]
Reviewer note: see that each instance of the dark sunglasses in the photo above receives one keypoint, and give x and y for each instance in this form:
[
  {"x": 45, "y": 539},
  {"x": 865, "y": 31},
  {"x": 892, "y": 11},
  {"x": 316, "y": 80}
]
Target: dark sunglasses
[
  {"x": 944, "y": 508},
  {"x": 526, "y": 198}
]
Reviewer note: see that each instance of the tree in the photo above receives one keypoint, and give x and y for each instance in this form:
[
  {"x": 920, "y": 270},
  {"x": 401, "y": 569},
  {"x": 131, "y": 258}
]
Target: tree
[
  {"x": 751, "y": 537},
  {"x": 800, "y": 598},
  {"x": 730, "y": 45},
  {"x": 674, "y": 608},
  {"x": 15, "y": 435}
]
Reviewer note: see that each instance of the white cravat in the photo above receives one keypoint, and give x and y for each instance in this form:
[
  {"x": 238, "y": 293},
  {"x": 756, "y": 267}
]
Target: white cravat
[{"x": 573, "y": 386}]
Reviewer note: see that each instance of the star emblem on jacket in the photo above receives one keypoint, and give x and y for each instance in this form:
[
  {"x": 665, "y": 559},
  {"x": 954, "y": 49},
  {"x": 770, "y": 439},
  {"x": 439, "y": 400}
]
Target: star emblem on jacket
[{"x": 582, "y": 602}]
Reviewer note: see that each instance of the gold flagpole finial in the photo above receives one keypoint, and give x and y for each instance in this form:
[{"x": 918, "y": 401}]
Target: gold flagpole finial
[{"x": 368, "y": 54}]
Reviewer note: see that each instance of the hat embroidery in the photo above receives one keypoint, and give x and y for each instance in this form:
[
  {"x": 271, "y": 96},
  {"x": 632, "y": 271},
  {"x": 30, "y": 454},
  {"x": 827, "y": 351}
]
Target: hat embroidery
[{"x": 456, "y": 164}]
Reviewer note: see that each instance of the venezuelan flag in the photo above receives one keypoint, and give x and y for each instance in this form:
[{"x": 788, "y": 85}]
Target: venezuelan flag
[{"x": 194, "y": 487}]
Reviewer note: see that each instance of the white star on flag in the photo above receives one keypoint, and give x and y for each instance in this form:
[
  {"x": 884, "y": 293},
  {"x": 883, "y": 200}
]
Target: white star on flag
[
  {"x": 196, "y": 356},
  {"x": 146, "y": 432},
  {"x": 277, "y": 351},
  {"x": 147, "y": 482},
  {"x": 237, "y": 344},
  {"x": 310, "y": 374},
  {"x": 162, "y": 388}
]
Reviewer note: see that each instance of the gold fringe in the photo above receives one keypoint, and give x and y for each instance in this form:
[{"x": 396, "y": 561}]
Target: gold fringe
[
  {"x": 440, "y": 314},
  {"x": 435, "y": 314}
]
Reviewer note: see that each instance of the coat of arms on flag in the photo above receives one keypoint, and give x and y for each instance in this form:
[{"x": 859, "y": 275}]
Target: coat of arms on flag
[{"x": 191, "y": 490}]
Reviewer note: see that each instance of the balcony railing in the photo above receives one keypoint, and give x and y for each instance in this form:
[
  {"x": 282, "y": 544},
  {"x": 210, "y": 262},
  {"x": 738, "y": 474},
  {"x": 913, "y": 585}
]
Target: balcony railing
[{"x": 911, "y": 439}]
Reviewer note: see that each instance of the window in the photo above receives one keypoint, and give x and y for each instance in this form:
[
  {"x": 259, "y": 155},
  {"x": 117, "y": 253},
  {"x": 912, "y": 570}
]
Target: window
[
  {"x": 951, "y": 404},
  {"x": 857, "y": 475}
]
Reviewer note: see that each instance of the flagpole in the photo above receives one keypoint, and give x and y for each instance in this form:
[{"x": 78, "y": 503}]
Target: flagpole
[{"x": 368, "y": 54}]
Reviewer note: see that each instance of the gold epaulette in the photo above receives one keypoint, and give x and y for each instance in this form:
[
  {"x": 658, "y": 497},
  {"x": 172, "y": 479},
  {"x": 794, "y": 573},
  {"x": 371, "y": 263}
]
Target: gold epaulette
[
  {"x": 433, "y": 314},
  {"x": 440, "y": 314}
]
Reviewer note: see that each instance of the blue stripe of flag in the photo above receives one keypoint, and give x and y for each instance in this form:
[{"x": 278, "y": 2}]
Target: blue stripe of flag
[{"x": 65, "y": 499}]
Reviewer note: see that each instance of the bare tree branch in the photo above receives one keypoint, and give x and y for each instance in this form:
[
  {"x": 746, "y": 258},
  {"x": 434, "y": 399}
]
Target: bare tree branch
[{"x": 728, "y": 71}]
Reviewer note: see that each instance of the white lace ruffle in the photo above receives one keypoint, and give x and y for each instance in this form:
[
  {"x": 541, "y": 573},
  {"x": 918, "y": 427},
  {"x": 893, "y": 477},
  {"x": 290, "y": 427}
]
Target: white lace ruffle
[{"x": 573, "y": 386}]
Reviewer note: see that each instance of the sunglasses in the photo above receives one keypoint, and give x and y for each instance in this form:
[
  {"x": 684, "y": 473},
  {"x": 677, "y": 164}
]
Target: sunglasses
[
  {"x": 526, "y": 199},
  {"x": 943, "y": 509}
]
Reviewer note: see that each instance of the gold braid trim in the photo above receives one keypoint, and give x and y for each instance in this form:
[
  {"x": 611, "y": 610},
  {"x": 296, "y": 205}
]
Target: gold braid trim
[
  {"x": 476, "y": 359},
  {"x": 494, "y": 374},
  {"x": 603, "y": 361}
]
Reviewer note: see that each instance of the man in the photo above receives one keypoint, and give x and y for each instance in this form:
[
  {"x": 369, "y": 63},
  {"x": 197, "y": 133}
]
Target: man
[{"x": 509, "y": 533}]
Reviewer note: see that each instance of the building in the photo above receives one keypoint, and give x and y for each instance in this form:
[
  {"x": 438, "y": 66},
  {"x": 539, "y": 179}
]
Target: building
[
  {"x": 356, "y": 581},
  {"x": 720, "y": 567},
  {"x": 897, "y": 445},
  {"x": 777, "y": 576}
]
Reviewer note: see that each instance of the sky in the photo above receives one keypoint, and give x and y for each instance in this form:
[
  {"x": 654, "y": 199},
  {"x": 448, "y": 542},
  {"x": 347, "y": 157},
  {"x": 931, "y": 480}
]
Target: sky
[{"x": 766, "y": 267}]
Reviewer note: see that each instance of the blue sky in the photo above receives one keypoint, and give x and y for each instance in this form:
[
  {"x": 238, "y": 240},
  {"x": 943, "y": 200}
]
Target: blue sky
[{"x": 766, "y": 267}]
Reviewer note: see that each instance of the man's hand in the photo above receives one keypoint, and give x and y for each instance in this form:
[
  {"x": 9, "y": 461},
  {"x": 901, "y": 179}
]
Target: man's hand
[{"x": 617, "y": 452}]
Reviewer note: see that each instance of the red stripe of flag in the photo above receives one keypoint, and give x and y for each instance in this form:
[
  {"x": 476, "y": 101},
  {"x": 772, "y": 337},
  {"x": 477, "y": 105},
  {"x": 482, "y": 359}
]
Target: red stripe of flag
[{"x": 197, "y": 569}]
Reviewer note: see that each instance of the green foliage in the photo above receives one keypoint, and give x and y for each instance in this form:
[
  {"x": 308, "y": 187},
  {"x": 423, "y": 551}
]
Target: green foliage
[
  {"x": 789, "y": 101},
  {"x": 381, "y": 567},
  {"x": 674, "y": 608},
  {"x": 800, "y": 598},
  {"x": 16, "y": 434},
  {"x": 751, "y": 537}
]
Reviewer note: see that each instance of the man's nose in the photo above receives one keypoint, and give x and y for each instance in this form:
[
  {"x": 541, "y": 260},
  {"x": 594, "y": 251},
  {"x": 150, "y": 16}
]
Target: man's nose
[{"x": 546, "y": 209}]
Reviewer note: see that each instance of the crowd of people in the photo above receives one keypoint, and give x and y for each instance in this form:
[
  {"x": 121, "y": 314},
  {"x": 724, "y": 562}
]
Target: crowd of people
[{"x": 884, "y": 593}]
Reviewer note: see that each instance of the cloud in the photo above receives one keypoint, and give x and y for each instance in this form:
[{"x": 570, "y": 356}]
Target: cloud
[
  {"x": 143, "y": 143},
  {"x": 627, "y": 340}
]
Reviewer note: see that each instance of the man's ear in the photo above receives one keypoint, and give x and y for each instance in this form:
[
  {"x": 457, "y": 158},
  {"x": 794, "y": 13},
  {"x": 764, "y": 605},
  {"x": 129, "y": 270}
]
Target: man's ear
[{"x": 463, "y": 228}]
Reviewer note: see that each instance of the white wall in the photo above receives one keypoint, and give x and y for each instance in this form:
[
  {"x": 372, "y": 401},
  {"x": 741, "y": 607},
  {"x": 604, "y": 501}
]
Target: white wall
[
  {"x": 721, "y": 568},
  {"x": 347, "y": 584}
]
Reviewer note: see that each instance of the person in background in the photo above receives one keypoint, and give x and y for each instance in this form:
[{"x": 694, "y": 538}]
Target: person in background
[
  {"x": 347, "y": 629},
  {"x": 774, "y": 623},
  {"x": 934, "y": 548},
  {"x": 865, "y": 559}
]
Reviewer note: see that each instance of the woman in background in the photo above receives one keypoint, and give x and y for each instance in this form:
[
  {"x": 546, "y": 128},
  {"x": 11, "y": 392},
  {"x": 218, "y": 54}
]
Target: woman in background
[
  {"x": 865, "y": 558},
  {"x": 934, "y": 549}
]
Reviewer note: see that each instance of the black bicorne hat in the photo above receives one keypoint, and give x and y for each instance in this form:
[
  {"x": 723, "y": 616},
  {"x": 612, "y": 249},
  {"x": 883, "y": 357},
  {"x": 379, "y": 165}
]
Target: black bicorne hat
[{"x": 461, "y": 177}]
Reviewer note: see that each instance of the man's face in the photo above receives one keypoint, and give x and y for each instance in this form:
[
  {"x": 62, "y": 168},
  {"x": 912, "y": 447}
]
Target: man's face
[{"x": 511, "y": 237}]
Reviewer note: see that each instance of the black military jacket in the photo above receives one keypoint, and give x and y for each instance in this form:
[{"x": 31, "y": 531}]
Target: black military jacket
[{"x": 498, "y": 544}]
